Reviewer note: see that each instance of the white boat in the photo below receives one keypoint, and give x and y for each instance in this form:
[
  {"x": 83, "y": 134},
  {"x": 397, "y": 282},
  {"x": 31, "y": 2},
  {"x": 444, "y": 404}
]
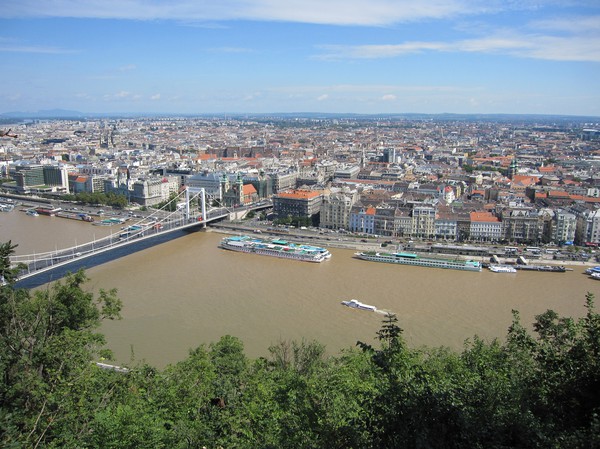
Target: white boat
[
  {"x": 592, "y": 270},
  {"x": 502, "y": 269},
  {"x": 275, "y": 248},
  {"x": 32, "y": 212},
  {"x": 595, "y": 275},
  {"x": 356, "y": 304},
  {"x": 417, "y": 260}
]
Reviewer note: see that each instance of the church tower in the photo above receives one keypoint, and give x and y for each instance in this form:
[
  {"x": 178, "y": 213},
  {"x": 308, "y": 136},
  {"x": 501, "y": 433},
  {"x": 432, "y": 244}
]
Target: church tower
[
  {"x": 240, "y": 189},
  {"x": 513, "y": 168}
]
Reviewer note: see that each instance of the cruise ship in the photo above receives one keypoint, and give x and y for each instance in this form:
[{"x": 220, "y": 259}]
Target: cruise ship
[
  {"x": 415, "y": 259},
  {"x": 275, "y": 248}
]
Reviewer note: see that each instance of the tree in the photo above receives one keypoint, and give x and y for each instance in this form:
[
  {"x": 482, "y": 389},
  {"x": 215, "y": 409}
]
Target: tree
[
  {"x": 8, "y": 274},
  {"x": 47, "y": 344}
]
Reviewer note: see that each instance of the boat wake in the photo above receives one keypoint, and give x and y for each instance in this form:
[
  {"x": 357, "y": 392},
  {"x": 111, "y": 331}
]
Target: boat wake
[{"x": 384, "y": 312}]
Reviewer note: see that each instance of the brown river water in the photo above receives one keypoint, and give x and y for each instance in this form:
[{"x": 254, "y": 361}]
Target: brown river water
[{"x": 187, "y": 292}]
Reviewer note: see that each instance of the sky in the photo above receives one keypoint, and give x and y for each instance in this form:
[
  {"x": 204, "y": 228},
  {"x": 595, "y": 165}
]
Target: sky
[{"x": 286, "y": 56}]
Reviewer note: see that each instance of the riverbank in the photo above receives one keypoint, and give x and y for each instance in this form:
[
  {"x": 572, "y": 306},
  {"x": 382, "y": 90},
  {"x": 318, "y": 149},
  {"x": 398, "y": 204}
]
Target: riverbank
[{"x": 332, "y": 239}]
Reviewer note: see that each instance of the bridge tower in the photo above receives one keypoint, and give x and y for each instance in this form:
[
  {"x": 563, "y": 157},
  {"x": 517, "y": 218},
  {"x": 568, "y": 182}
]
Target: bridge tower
[{"x": 202, "y": 195}]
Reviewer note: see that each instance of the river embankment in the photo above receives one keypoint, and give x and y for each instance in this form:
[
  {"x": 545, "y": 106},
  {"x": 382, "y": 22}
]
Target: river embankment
[{"x": 333, "y": 239}]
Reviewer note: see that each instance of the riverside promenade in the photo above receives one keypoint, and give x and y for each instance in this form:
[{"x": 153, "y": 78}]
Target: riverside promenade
[{"x": 328, "y": 238}]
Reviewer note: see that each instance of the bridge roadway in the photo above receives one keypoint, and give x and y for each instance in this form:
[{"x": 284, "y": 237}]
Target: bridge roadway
[{"x": 46, "y": 267}]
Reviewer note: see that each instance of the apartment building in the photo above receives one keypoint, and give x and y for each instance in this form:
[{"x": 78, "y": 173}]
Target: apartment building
[
  {"x": 297, "y": 203},
  {"x": 336, "y": 208}
]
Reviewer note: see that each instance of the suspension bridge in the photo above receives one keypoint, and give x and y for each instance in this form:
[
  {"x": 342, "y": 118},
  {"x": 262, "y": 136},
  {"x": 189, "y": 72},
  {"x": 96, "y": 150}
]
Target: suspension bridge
[{"x": 159, "y": 226}]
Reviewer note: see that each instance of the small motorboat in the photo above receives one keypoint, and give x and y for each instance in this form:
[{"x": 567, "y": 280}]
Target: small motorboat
[{"x": 355, "y": 304}]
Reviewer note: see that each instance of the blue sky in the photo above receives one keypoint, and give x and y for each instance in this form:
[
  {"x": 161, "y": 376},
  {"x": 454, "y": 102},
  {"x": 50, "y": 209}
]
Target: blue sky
[{"x": 337, "y": 56}]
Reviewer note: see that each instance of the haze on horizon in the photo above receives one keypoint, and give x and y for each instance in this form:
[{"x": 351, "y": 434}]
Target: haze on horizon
[{"x": 260, "y": 56}]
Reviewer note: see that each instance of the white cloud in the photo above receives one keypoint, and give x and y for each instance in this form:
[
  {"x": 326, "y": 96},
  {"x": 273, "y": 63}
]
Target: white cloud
[
  {"x": 155, "y": 97},
  {"x": 579, "y": 45},
  {"x": 337, "y": 12},
  {"x": 389, "y": 97},
  {"x": 322, "y": 97}
]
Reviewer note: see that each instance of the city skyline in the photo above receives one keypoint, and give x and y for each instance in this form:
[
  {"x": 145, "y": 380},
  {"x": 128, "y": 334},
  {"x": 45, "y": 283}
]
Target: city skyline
[{"x": 258, "y": 56}]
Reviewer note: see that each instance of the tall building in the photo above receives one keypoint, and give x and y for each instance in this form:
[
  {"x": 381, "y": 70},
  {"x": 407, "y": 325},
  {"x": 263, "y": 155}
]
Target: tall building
[
  {"x": 522, "y": 225},
  {"x": 565, "y": 226},
  {"x": 423, "y": 221},
  {"x": 336, "y": 208},
  {"x": 389, "y": 155},
  {"x": 590, "y": 227},
  {"x": 41, "y": 177}
]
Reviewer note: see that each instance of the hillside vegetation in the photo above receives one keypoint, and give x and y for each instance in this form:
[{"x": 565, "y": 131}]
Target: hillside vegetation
[{"x": 537, "y": 390}]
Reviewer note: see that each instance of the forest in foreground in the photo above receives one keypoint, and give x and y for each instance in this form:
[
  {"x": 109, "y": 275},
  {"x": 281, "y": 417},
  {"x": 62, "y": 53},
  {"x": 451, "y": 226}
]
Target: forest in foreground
[{"x": 535, "y": 389}]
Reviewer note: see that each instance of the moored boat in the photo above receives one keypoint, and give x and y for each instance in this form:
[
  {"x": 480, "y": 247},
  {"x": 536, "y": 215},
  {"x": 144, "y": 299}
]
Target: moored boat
[
  {"x": 276, "y": 248},
  {"x": 502, "y": 269},
  {"x": 51, "y": 212},
  {"x": 75, "y": 216},
  {"x": 592, "y": 270},
  {"x": 545, "y": 268},
  {"x": 110, "y": 221},
  {"x": 417, "y": 260}
]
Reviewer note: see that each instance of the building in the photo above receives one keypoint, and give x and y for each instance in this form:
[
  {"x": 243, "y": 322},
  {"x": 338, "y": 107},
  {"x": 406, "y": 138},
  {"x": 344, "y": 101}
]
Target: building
[
  {"x": 389, "y": 155},
  {"x": 590, "y": 227},
  {"x": 37, "y": 177},
  {"x": 152, "y": 191},
  {"x": 385, "y": 220},
  {"x": 521, "y": 225},
  {"x": 362, "y": 219},
  {"x": 446, "y": 226},
  {"x": 403, "y": 222},
  {"x": 565, "y": 226},
  {"x": 297, "y": 203},
  {"x": 237, "y": 193},
  {"x": 423, "y": 221},
  {"x": 336, "y": 208},
  {"x": 78, "y": 183},
  {"x": 284, "y": 181},
  {"x": 347, "y": 172},
  {"x": 485, "y": 227},
  {"x": 210, "y": 182}
]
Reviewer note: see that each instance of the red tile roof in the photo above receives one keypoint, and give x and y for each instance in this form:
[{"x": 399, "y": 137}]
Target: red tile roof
[
  {"x": 299, "y": 194},
  {"x": 484, "y": 217},
  {"x": 248, "y": 189}
]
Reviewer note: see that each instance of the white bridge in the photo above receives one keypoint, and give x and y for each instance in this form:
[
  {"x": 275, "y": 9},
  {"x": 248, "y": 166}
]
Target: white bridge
[{"x": 148, "y": 229}]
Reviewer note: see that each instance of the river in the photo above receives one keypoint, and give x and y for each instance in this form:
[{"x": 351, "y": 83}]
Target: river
[{"x": 186, "y": 292}]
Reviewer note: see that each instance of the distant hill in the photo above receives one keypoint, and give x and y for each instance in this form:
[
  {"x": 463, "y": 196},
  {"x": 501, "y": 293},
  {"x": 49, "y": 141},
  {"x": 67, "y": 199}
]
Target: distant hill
[{"x": 48, "y": 113}]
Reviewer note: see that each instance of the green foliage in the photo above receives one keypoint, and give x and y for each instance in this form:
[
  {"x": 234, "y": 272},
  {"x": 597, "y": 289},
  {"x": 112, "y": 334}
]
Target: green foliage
[
  {"x": 170, "y": 204},
  {"x": 535, "y": 390},
  {"x": 109, "y": 198},
  {"x": 8, "y": 273},
  {"x": 47, "y": 344},
  {"x": 297, "y": 221}
]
